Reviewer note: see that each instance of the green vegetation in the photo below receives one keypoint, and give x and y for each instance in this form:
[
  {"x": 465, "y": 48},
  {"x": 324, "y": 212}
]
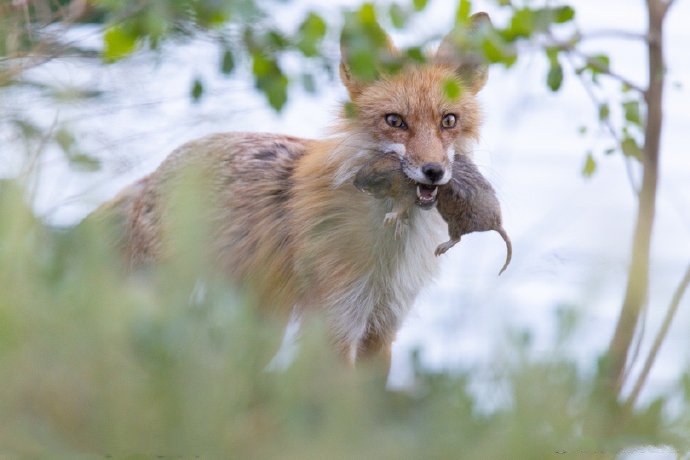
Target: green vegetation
[{"x": 99, "y": 363}]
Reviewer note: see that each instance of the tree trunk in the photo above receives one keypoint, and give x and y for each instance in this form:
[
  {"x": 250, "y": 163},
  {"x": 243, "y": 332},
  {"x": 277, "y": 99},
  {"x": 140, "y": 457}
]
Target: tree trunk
[{"x": 638, "y": 274}]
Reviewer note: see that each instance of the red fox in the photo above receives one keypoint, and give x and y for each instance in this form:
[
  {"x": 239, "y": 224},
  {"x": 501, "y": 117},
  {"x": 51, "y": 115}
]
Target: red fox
[{"x": 290, "y": 224}]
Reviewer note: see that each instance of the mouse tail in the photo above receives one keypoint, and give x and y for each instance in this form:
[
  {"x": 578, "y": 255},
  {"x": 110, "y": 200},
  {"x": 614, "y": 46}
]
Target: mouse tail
[{"x": 509, "y": 248}]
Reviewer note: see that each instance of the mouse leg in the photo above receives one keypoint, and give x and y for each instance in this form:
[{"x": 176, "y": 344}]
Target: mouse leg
[
  {"x": 443, "y": 247},
  {"x": 397, "y": 216},
  {"x": 400, "y": 226}
]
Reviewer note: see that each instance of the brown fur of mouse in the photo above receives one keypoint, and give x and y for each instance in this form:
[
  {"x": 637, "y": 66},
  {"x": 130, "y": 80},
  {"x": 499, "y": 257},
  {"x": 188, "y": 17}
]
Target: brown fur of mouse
[
  {"x": 467, "y": 203},
  {"x": 383, "y": 177}
]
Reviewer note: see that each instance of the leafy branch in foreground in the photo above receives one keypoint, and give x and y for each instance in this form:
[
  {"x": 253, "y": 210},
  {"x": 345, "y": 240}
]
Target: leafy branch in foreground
[
  {"x": 100, "y": 363},
  {"x": 31, "y": 34}
]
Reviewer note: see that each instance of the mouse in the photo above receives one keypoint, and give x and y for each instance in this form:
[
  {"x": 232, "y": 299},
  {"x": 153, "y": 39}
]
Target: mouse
[{"x": 467, "y": 203}]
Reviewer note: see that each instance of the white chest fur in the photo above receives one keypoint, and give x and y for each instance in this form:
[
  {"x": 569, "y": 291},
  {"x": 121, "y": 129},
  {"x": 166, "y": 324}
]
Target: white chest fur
[{"x": 378, "y": 301}]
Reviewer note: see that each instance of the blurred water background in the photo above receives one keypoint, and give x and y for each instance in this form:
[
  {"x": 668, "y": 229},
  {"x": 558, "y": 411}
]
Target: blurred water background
[{"x": 571, "y": 235}]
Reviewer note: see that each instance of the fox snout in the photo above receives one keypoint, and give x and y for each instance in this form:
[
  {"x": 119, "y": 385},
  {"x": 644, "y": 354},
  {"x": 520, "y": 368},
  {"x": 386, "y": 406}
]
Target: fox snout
[
  {"x": 429, "y": 173},
  {"x": 433, "y": 172},
  {"x": 428, "y": 176},
  {"x": 428, "y": 160}
]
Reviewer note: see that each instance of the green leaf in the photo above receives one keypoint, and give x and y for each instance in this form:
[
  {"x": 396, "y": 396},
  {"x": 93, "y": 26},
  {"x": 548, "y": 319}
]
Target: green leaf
[
  {"x": 582, "y": 130},
  {"x": 631, "y": 149},
  {"x": 64, "y": 139},
  {"x": 28, "y": 128},
  {"x": 552, "y": 54},
  {"x": 311, "y": 31},
  {"x": 522, "y": 23},
  {"x": 496, "y": 51},
  {"x": 604, "y": 111},
  {"x": 463, "y": 13},
  {"x": 117, "y": 44},
  {"x": 261, "y": 65},
  {"x": 598, "y": 63},
  {"x": 563, "y": 14},
  {"x": 419, "y": 5},
  {"x": 270, "y": 80},
  {"x": 227, "y": 64},
  {"x": 367, "y": 14},
  {"x": 197, "y": 90},
  {"x": 365, "y": 43},
  {"x": 276, "y": 91},
  {"x": 209, "y": 14},
  {"x": 83, "y": 162},
  {"x": 416, "y": 54},
  {"x": 350, "y": 110},
  {"x": 590, "y": 166},
  {"x": 398, "y": 15},
  {"x": 77, "y": 160},
  {"x": 276, "y": 40},
  {"x": 554, "y": 79},
  {"x": 452, "y": 89},
  {"x": 632, "y": 112}
]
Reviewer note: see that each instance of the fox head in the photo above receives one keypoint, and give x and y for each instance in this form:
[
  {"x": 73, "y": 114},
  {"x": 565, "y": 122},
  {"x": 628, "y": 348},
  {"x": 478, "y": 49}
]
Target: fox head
[{"x": 410, "y": 114}]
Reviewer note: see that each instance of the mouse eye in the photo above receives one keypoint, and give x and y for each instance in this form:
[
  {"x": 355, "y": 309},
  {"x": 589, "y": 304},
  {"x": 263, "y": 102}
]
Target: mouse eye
[
  {"x": 395, "y": 121},
  {"x": 449, "y": 121}
]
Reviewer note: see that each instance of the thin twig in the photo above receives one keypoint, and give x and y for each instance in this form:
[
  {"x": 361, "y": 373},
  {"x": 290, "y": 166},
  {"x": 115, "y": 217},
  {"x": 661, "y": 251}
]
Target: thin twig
[
  {"x": 669, "y": 3},
  {"x": 609, "y": 126},
  {"x": 611, "y": 33},
  {"x": 661, "y": 335},
  {"x": 604, "y": 69},
  {"x": 569, "y": 47}
]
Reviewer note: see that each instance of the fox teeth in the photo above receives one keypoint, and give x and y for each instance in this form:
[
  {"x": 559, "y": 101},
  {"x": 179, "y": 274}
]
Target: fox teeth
[{"x": 433, "y": 193}]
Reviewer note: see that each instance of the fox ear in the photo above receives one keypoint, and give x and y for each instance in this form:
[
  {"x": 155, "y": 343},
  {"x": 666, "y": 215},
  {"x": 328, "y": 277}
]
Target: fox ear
[
  {"x": 368, "y": 62},
  {"x": 456, "y": 51},
  {"x": 353, "y": 85}
]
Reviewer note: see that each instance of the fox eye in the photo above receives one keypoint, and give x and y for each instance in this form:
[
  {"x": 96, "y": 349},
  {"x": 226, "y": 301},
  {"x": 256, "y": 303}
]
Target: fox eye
[
  {"x": 395, "y": 121},
  {"x": 449, "y": 121}
]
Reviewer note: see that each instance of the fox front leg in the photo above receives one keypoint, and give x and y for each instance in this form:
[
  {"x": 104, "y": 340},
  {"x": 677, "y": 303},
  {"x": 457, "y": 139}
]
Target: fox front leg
[{"x": 443, "y": 247}]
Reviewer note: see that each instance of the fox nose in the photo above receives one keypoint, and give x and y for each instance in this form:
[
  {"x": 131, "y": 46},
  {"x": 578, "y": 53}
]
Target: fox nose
[{"x": 433, "y": 171}]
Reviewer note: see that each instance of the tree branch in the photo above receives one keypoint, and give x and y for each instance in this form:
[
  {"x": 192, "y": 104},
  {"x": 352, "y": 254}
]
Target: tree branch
[
  {"x": 659, "y": 339},
  {"x": 611, "y": 33},
  {"x": 608, "y": 72},
  {"x": 568, "y": 47},
  {"x": 669, "y": 4},
  {"x": 609, "y": 126}
]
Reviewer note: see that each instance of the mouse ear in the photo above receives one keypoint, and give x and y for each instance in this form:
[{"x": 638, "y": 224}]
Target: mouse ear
[{"x": 459, "y": 49}]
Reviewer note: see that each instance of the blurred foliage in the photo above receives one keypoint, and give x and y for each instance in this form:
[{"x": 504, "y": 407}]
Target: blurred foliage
[
  {"x": 249, "y": 37},
  {"x": 173, "y": 362}
]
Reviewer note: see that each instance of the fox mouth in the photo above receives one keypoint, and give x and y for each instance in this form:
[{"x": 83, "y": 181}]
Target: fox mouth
[{"x": 426, "y": 195}]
